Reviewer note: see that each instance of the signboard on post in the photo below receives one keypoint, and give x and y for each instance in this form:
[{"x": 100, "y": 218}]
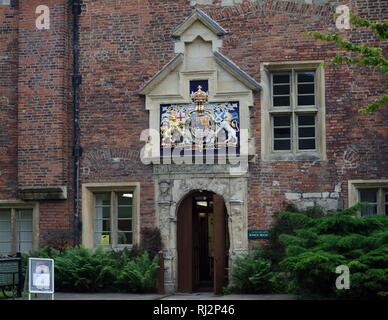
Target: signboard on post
[
  {"x": 40, "y": 276},
  {"x": 258, "y": 234}
]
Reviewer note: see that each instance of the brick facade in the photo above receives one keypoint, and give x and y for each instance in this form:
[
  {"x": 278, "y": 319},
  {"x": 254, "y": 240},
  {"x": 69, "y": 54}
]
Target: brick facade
[
  {"x": 122, "y": 45},
  {"x": 8, "y": 101}
]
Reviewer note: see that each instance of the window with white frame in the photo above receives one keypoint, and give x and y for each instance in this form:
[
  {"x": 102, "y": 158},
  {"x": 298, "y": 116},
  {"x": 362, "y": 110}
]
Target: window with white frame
[
  {"x": 113, "y": 218},
  {"x": 16, "y": 230},
  {"x": 293, "y": 111}
]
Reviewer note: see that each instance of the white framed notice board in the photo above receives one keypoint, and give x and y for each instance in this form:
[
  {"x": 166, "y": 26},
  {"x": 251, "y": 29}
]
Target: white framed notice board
[{"x": 41, "y": 275}]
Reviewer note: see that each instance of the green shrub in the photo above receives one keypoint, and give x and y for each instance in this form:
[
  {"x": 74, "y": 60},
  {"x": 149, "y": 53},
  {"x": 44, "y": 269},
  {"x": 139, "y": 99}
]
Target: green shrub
[
  {"x": 227, "y": 291},
  {"x": 44, "y": 252},
  {"x": 378, "y": 258},
  {"x": 287, "y": 223},
  {"x": 83, "y": 270},
  {"x": 119, "y": 258},
  {"x": 370, "y": 283},
  {"x": 251, "y": 272},
  {"x": 310, "y": 249},
  {"x": 314, "y": 271},
  {"x": 280, "y": 282},
  {"x": 139, "y": 274}
]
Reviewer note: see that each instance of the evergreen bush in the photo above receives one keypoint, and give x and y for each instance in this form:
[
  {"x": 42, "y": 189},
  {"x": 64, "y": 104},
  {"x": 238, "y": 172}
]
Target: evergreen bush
[
  {"x": 306, "y": 248},
  {"x": 313, "y": 247}
]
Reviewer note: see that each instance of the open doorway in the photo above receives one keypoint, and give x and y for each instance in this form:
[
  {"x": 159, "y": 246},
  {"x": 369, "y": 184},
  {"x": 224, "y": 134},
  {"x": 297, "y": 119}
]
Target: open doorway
[{"x": 202, "y": 243}]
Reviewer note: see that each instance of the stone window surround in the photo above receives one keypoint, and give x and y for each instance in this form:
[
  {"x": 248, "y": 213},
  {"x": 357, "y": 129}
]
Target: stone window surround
[
  {"x": 16, "y": 204},
  {"x": 88, "y": 209},
  {"x": 354, "y": 185},
  {"x": 266, "y": 106}
]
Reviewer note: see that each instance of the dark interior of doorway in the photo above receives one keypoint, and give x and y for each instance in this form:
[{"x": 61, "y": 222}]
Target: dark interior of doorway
[{"x": 203, "y": 241}]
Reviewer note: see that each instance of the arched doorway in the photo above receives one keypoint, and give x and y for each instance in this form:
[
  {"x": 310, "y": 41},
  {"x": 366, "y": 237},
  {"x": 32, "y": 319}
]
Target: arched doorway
[{"x": 202, "y": 243}]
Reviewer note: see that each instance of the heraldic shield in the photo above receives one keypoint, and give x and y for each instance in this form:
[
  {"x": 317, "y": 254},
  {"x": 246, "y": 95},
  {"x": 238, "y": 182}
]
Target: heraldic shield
[{"x": 200, "y": 124}]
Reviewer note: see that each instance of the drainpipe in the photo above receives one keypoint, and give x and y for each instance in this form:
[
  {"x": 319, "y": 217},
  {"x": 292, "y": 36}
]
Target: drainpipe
[{"x": 76, "y": 81}]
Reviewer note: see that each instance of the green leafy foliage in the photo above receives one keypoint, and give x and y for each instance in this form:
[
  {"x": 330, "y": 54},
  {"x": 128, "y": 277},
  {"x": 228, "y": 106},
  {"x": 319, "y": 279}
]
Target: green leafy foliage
[
  {"x": 313, "y": 250},
  {"x": 287, "y": 223},
  {"x": 139, "y": 274},
  {"x": 362, "y": 54},
  {"x": 44, "y": 252},
  {"x": 380, "y": 28},
  {"x": 280, "y": 282},
  {"x": 307, "y": 247},
  {"x": 84, "y": 270},
  {"x": 313, "y": 270},
  {"x": 251, "y": 272}
]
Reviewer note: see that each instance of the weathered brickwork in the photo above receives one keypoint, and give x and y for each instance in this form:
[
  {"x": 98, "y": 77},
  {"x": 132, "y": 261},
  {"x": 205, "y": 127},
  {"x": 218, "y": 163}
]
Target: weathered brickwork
[
  {"x": 8, "y": 101},
  {"x": 35, "y": 136},
  {"x": 123, "y": 43},
  {"x": 42, "y": 92}
]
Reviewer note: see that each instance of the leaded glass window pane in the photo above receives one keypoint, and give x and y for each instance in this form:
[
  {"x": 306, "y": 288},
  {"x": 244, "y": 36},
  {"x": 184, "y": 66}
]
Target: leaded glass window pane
[{"x": 369, "y": 199}]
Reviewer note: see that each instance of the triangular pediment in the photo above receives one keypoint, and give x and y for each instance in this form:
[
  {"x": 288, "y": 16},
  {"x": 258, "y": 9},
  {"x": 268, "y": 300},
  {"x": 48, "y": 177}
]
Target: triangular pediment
[
  {"x": 162, "y": 74},
  {"x": 197, "y": 57},
  {"x": 199, "y": 15}
]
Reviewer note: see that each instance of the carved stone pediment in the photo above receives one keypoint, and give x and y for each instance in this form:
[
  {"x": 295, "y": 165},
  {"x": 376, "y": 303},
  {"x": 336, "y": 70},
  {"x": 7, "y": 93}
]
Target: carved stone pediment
[
  {"x": 221, "y": 104},
  {"x": 176, "y": 117}
]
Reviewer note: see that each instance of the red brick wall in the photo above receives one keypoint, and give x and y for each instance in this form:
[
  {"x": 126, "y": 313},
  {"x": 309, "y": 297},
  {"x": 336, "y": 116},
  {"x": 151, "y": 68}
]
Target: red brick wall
[
  {"x": 53, "y": 216},
  {"x": 42, "y": 104},
  {"x": 123, "y": 44},
  {"x": 8, "y": 101},
  {"x": 279, "y": 36},
  {"x": 35, "y": 100}
]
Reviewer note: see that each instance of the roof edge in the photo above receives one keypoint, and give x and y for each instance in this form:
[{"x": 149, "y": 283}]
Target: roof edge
[
  {"x": 161, "y": 74},
  {"x": 235, "y": 70},
  {"x": 198, "y": 14}
]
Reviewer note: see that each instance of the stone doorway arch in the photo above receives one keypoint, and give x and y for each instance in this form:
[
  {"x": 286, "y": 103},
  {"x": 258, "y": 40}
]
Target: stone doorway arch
[{"x": 173, "y": 183}]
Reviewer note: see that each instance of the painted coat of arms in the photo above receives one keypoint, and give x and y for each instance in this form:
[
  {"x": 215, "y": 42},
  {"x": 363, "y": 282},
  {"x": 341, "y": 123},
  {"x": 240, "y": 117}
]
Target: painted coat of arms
[{"x": 200, "y": 124}]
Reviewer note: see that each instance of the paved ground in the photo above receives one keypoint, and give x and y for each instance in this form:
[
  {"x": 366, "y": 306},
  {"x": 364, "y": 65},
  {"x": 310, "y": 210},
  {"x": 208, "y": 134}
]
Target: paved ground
[
  {"x": 211, "y": 296},
  {"x": 178, "y": 296}
]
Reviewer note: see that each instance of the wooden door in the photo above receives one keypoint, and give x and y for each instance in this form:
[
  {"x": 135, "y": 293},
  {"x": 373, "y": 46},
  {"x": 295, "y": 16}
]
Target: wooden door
[
  {"x": 185, "y": 245},
  {"x": 219, "y": 243},
  {"x": 196, "y": 250}
]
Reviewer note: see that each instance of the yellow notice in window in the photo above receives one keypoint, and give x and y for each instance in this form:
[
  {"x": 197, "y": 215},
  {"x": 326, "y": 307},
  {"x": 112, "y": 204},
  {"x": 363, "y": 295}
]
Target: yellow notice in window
[{"x": 104, "y": 239}]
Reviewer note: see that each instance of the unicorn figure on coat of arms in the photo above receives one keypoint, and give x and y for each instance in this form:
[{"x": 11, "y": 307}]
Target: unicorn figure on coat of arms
[{"x": 225, "y": 121}]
